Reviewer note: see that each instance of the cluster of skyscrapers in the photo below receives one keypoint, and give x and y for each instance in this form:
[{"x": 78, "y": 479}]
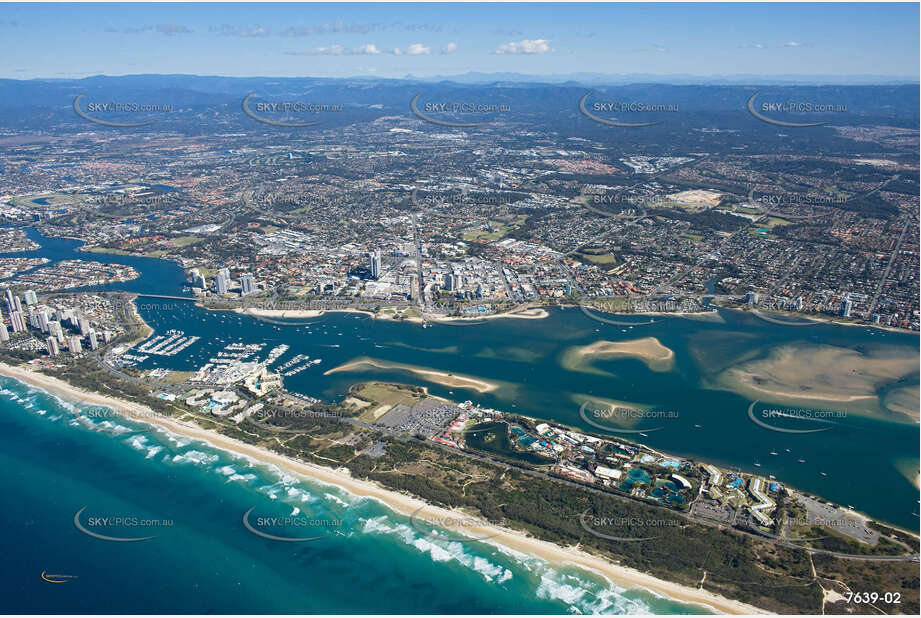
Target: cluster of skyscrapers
[
  {"x": 222, "y": 282},
  {"x": 25, "y": 313}
]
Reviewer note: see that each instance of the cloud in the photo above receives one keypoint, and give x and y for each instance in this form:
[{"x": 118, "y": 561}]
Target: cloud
[
  {"x": 335, "y": 27},
  {"x": 506, "y": 32},
  {"x": 171, "y": 29},
  {"x": 525, "y": 46},
  {"x": 448, "y": 48},
  {"x": 167, "y": 29},
  {"x": 368, "y": 49},
  {"x": 788, "y": 44},
  {"x": 428, "y": 27},
  {"x": 416, "y": 49},
  {"x": 225, "y": 30}
]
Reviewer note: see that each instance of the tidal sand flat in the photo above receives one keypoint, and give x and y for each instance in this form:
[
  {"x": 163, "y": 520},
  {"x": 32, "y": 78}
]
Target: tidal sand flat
[
  {"x": 811, "y": 374},
  {"x": 452, "y": 380},
  {"x": 904, "y": 400},
  {"x": 648, "y": 350},
  {"x": 611, "y": 414}
]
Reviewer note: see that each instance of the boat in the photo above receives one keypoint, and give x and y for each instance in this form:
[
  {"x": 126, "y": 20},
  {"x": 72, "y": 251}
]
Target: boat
[
  {"x": 698, "y": 427},
  {"x": 757, "y": 465},
  {"x": 823, "y": 474},
  {"x": 801, "y": 460},
  {"x": 773, "y": 452}
]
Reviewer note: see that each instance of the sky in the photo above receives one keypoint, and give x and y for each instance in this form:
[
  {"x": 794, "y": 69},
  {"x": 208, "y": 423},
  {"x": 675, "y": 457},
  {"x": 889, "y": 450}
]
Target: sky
[{"x": 422, "y": 40}]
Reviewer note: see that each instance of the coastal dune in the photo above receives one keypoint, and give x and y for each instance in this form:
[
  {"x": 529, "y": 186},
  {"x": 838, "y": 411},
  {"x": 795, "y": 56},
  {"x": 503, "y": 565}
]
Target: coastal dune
[{"x": 401, "y": 503}]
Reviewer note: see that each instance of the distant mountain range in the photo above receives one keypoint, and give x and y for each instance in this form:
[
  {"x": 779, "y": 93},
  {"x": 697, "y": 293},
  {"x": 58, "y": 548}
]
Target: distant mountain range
[
  {"x": 26, "y": 98},
  {"x": 680, "y": 78}
]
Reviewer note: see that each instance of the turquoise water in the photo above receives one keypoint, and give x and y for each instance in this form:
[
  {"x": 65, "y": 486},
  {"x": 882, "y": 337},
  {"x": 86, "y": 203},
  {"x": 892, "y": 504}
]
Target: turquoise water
[
  {"x": 869, "y": 457},
  {"x": 870, "y": 460},
  {"x": 59, "y": 458}
]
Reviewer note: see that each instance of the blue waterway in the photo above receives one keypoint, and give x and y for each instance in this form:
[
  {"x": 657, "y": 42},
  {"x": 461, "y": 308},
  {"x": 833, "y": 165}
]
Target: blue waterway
[
  {"x": 156, "y": 276},
  {"x": 869, "y": 460},
  {"x": 58, "y": 458}
]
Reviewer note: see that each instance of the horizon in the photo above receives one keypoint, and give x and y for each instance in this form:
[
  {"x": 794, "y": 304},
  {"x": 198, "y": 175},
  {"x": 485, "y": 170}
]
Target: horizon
[
  {"x": 421, "y": 41},
  {"x": 576, "y": 78}
]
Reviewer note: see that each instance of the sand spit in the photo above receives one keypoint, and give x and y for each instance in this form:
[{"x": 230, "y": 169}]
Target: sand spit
[{"x": 452, "y": 380}]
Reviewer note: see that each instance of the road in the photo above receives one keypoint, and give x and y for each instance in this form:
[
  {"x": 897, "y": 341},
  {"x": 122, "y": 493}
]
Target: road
[{"x": 882, "y": 281}]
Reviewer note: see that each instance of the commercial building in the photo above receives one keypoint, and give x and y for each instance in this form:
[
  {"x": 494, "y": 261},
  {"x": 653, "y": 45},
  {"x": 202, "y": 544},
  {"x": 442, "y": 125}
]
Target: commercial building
[
  {"x": 374, "y": 259},
  {"x": 17, "y": 321},
  {"x": 846, "y": 305}
]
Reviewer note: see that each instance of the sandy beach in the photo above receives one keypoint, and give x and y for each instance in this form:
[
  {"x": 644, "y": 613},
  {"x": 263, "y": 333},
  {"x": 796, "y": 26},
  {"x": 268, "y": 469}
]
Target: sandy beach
[
  {"x": 532, "y": 313},
  {"x": 648, "y": 350},
  {"x": 453, "y": 380},
  {"x": 294, "y": 313},
  {"x": 402, "y": 503}
]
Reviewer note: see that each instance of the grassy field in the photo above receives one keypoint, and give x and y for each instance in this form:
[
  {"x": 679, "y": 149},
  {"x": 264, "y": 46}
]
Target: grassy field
[
  {"x": 54, "y": 200},
  {"x": 381, "y": 395},
  {"x": 498, "y": 229}
]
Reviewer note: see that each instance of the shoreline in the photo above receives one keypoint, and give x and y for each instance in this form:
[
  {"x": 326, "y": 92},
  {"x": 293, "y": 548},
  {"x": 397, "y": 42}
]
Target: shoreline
[
  {"x": 291, "y": 313},
  {"x": 454, "y": 380},
  {"x": 531, "y": 313},
  {"x": 539, "y": 312},
  {"x": 401, "y": 503}
]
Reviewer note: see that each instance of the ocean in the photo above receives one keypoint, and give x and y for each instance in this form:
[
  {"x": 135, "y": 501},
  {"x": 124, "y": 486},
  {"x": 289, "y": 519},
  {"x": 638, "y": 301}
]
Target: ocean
[{"x": 74, "y": 473}]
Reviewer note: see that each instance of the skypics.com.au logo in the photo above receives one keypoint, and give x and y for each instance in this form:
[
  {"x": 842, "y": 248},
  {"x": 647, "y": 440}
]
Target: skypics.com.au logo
[
  {"x": 96, "y": 109},
  {"x": 775, "y": 108},
  {"x": 454, "y": 109},
  {"x": 640, "y": 109},
  {"x": 290, "y": 529},
  {"x": 117, "y": 526},
  {"x": 621, "y": 419},
  {"x": 625, "y": 529},
  {"x": 794, "y": 420},
  {"x": 454, "y": 528},
  {"x": 281, "y": 113}
]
